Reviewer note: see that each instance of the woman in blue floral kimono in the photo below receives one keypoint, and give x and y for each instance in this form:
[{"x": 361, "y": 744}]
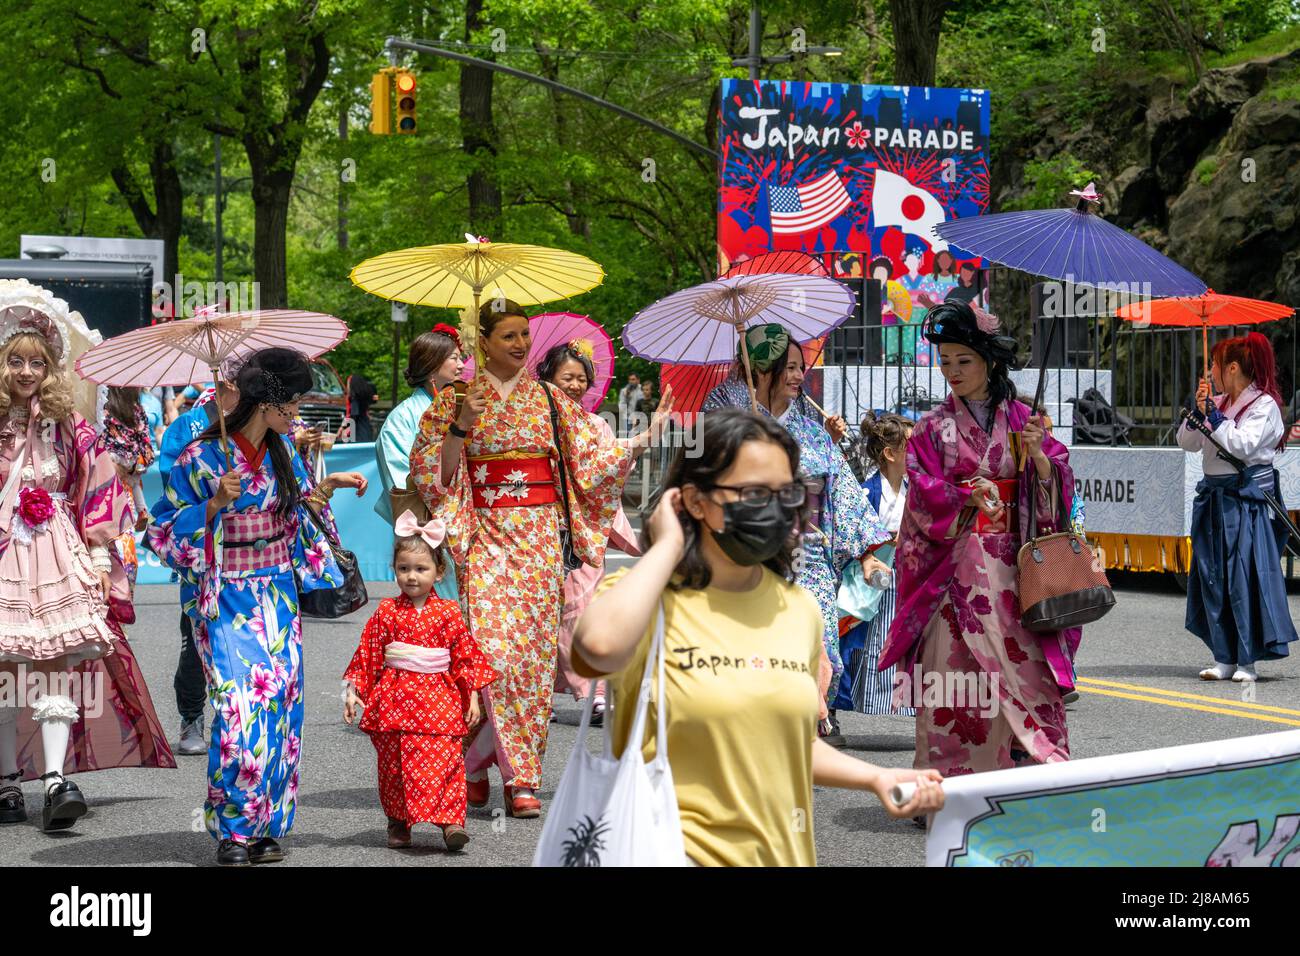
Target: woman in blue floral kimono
[
  {"x": 238, "y": 533},
  {"x": 841, "y": 525}
]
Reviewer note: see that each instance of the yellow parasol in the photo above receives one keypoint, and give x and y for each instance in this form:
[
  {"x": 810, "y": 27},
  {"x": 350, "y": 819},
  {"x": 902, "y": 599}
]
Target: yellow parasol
[{"x": 461, "y": 274}]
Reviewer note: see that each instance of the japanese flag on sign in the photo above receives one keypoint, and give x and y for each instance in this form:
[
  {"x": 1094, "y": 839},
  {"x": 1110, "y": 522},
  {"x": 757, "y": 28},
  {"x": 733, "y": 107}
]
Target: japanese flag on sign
[{"x": 896, "y": 202}]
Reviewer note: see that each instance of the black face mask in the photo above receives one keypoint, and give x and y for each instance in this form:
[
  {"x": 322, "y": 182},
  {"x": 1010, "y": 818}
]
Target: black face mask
[{"x": 751, "y": 535}]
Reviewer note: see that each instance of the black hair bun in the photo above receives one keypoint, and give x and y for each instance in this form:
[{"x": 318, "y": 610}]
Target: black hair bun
[{"x": 275, "y": 376}]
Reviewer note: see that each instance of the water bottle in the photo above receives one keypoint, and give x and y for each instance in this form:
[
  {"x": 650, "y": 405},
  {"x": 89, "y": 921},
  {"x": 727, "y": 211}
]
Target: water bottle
[{"x": 880, "y": 578}]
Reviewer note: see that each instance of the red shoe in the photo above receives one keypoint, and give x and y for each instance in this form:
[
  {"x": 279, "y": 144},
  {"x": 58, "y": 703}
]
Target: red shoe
[
  {"x": 522, "y": 807},
  {"x": 477, "y": 792}
]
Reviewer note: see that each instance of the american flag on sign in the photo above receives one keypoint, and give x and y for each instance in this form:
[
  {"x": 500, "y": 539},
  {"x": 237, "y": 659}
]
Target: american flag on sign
[{"x": 810, "y": 206}]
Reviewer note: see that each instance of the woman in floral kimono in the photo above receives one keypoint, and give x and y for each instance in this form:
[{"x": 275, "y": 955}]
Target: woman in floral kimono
[
  {"x": 238, "y": 532},
  {"x": 64, "y": 592},
  {"x": 569, "y": 367},
  {"x": 490, "y": 470},
  {"x": 841, "y": 525},
  {"x": 959, "y": 609}
]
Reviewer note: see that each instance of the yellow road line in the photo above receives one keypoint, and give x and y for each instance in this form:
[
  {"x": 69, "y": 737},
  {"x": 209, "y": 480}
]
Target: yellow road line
[
  {"x": 1246, "y": 705},
  {"x": 1187, "y": 706}
]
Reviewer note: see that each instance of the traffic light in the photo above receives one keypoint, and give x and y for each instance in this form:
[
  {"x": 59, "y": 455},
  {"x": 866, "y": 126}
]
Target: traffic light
[
  {"x": 405, "y": 111},
  {"x": 381, "y": 103}
]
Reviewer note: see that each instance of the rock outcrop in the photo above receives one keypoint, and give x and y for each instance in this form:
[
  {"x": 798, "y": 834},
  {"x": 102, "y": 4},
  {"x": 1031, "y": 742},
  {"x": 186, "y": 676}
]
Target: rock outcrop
[{"x": 1211, "y": 178}]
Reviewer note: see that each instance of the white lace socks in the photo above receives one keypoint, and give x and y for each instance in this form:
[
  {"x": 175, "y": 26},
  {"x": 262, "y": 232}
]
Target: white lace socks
[{"x": 56, "y": 715}]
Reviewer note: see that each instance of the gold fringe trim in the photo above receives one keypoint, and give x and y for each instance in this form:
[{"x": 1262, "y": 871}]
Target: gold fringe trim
[{"x": 1144, "y": 552}]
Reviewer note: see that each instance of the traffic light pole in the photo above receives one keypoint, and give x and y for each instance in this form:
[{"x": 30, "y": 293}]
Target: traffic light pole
[{"x": 393, "y": 44}]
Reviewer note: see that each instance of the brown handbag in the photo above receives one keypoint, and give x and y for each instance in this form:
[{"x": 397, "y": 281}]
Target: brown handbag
[
  {"x": 1062, "y": 579},
  {"x": 408, "y": 499}
]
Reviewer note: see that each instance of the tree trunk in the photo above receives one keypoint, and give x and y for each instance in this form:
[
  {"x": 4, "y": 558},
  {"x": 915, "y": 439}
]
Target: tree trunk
[
  {"x": 271, "y": 194},
  {"x": 917, "y": 24},
  {"x": 163, "y": 220},
  {"x": 342, "y": 185},
  {"x": 578, "y": 223},
  {"x": 274, "y": 145},
  {"x": 478, "y": 136}
]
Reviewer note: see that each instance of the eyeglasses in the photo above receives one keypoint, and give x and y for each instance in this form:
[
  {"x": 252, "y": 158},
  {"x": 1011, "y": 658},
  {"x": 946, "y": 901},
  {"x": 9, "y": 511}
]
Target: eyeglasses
[
  {"x": 792, "y": 495},
  {"x": 17, "y": 364}
]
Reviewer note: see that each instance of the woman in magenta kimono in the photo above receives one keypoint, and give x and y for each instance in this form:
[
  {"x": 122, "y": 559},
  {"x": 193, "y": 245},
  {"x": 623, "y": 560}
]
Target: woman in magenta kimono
[{"x": 999, "y": 703}]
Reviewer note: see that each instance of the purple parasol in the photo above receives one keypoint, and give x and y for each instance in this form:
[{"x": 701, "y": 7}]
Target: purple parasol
[
  {"x": 698, "y": 326},
  {"x": 1073, "y": 245}
]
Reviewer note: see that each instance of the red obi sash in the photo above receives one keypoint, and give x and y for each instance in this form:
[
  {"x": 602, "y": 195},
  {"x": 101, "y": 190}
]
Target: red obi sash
[
  {"x": 512, "y": 482},
  {"x": 1009, "y": 492}
]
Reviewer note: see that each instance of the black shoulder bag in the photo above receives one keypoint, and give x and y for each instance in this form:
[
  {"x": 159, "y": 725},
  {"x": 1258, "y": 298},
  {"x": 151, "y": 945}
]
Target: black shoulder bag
[
  {"x": 571, "y": 560},
  {"x": 350, "y": 594}
]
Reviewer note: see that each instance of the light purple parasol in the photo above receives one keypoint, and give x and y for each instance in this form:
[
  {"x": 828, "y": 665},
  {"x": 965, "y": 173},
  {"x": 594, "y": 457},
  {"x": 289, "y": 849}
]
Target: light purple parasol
[
  {"x": 700, "y": 325},
  {"x": 1073, "y": 245}
]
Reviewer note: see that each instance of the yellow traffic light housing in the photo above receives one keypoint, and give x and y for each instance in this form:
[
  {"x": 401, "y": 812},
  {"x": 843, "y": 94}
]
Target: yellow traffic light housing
[
  {"x": 404, "y": 112},
  {"x": 381, "y": 103}
]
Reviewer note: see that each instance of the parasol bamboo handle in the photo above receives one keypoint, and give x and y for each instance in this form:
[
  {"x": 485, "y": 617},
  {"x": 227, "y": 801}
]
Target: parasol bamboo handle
[
  {"x": 809, "y": 400},
  {"x": 221, "y": 416},
  {"x": 749, "y": 373},
  {"x": 1205, "y": 349}
]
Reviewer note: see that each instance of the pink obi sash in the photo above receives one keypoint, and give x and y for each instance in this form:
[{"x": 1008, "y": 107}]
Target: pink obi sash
[
  {"x": 253, "y": 540},
  {"x": 412, "y": 657}
]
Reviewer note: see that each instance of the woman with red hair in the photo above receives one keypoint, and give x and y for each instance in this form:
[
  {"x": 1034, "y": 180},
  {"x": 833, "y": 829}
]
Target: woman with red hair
[{"x": 1236, "y": 596}]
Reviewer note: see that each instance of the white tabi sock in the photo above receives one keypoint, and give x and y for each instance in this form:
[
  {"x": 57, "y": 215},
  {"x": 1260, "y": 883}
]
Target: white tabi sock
[
  {"x": 1217, "y": 672},
  {"x": 8, "y": 741},
  {"x": 56, "y": 714}
]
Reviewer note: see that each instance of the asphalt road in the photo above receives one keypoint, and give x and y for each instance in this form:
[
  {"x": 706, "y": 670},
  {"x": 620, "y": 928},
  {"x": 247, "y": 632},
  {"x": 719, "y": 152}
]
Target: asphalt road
[{"x": 153, "y": 816}]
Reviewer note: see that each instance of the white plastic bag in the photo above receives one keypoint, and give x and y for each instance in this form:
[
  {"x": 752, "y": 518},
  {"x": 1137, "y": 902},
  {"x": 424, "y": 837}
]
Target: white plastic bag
[{"x": 623, "y": 812}]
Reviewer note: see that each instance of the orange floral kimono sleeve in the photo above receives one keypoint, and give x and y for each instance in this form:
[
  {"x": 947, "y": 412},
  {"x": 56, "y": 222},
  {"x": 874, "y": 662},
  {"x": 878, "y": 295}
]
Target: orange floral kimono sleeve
[{"x": 597, "y": 471}]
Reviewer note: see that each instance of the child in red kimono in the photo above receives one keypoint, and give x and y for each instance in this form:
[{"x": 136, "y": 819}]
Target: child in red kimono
[{"x": 417, "y": 673}]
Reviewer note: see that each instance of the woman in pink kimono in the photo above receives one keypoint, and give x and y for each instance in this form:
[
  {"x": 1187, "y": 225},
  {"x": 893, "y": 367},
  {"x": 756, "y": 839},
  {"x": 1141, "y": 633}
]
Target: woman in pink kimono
[
  {"x": 569, "y": 367},
  {"x": 490, "y": 467},
  {"x": 64, "y": 591},
  {"x": 999, "y": 703}
]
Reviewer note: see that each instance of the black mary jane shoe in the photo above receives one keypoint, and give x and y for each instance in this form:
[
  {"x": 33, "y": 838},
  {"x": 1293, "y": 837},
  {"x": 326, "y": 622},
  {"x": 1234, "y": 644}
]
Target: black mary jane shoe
[
  {"x": 12, "y": 807},
  {"x": 232, "y": 853},
  {"x": 64, "y": 804},
  {"x": 265, "y": 850}
]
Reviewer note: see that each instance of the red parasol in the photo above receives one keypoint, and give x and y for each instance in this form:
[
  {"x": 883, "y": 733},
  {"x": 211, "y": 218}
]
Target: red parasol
[{"x": 1204, "y": 311}]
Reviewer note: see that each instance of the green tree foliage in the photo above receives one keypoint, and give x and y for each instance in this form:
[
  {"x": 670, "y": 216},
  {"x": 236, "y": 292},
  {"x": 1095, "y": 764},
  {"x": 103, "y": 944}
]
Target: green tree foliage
[{"x": 125, "y": 100}]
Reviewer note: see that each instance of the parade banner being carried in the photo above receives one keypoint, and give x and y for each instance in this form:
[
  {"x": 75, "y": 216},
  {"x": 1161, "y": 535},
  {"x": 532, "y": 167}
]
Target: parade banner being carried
[{"x": 1225, "y": 803}]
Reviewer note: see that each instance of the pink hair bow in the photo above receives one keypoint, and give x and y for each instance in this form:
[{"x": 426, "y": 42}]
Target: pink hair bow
[{"x": 433, "y": 532}]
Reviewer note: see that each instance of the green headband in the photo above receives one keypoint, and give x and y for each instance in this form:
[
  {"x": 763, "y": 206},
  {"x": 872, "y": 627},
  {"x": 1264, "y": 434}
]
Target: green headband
[{"x": 767, "y": 345}]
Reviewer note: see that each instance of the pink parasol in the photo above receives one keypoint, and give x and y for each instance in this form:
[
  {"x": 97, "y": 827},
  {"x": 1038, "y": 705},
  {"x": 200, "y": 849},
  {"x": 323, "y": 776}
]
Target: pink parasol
[
  {"x": 194, "y": 349},
  {"x": 549, "y": 329},
  {"x": 188, "y": 350}
]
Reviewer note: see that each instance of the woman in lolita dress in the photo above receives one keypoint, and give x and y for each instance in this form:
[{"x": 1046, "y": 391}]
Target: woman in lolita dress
[{"x": 64, "y": 593}]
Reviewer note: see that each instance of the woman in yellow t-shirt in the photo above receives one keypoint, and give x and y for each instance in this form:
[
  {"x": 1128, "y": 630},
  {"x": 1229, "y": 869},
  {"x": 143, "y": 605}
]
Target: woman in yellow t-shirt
[{"x": 743, "y": 646}]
